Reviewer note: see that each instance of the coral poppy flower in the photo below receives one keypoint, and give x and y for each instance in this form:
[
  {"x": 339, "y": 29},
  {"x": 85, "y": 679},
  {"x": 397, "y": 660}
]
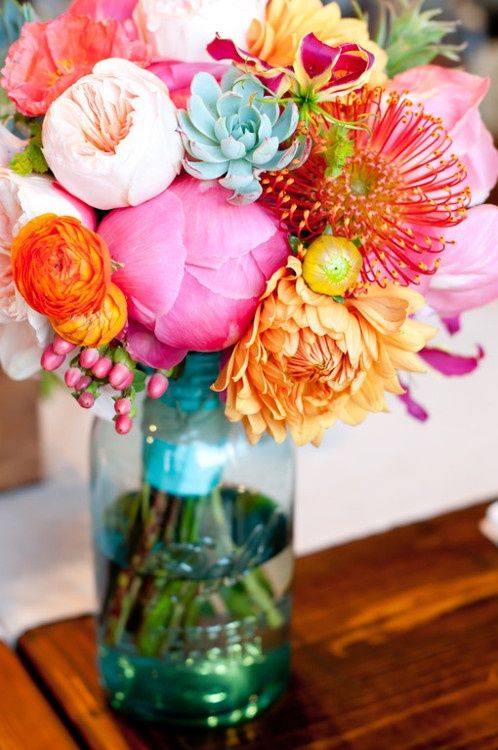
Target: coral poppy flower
[
  {"x": 61, "y": 268},
  {"x": 49, "y": 57},
  {"x": 308, "y": 361}
]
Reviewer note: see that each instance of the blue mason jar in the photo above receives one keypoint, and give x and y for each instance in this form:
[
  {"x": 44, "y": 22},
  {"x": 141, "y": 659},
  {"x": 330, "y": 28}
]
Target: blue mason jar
[{"x": 193, "y": 541}]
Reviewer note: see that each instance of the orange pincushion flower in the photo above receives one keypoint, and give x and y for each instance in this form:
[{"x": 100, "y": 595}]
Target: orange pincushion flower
[
  {"x": 287, "y": 21},
  {"x": 397, "y": 192},
  {"x": 308, "y": 360},
  {"x": 61, "y": 268},
  {"x": 99, "y": 328}
]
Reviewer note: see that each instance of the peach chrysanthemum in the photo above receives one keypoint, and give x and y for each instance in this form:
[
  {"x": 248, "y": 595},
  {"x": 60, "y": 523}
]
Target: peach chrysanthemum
[
  {"x": 288, "y": 21},
  {"x": 308, "y": 360}
]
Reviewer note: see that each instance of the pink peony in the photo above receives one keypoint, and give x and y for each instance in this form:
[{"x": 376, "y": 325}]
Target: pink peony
[
  {"x": 455, "y": 96},
  {"x": 49, "y": 57},
  {"x": 178, "y": 76},
  {"x": 468, "y": 275},
  {"x": 193, "y": 270}
]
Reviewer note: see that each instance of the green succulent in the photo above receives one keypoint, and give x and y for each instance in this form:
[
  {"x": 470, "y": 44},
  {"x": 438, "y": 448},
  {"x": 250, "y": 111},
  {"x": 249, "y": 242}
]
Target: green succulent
[{"x": 234, "y": 132}]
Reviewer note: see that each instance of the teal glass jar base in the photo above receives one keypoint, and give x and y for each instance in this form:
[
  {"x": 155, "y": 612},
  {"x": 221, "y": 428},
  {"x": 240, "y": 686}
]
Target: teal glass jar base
[{"x": 219, "y": 693}]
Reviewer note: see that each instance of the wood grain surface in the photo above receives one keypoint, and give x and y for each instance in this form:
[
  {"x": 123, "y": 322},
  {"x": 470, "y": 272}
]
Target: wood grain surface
[
  {"x": 19, "y": 439},
  {"x": 395, "y": 648},
  {"x": 26, "y": 720}
]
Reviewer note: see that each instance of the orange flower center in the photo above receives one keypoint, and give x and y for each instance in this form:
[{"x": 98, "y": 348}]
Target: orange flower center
[{"x": 318, "y": 359}]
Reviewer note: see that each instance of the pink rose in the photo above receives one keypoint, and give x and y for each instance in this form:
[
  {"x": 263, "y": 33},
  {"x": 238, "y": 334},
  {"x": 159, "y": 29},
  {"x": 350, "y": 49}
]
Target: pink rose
[
  {"x": 194, "y": 267},
  {"x": 468, "y": 275},
  {"x": 455, "y": 96},
  {"x": 49, "y": 57}
]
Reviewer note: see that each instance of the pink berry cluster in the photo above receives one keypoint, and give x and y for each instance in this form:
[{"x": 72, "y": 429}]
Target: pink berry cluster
[{"x": 90, "y": 370}]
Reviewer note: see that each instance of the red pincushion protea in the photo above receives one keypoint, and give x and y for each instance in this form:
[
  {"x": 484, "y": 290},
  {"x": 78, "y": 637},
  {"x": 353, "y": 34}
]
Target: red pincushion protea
[{"x": 396, "y": 193}]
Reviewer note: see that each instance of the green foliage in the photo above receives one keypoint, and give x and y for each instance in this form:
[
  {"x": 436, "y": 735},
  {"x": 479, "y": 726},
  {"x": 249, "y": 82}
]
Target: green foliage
[
  {"x": 339, "y": 149},
  {"x": 31, "y": 159},
  {"x": 413, "y": 36}
]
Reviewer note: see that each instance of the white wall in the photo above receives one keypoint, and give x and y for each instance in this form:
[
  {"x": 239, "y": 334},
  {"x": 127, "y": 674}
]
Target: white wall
[{"x": 388, "y": 471}]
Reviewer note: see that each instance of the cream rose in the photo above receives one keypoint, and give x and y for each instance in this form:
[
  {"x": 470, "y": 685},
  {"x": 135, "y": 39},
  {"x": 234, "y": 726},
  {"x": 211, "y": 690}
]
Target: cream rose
[
  {"x": 181, "y": 29},
  {"x": 111, "y": 139},
  {"x": 23, "y": 332}
]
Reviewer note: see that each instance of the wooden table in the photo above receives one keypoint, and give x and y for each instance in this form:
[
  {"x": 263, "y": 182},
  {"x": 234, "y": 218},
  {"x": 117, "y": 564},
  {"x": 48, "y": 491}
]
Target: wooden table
[{"x": 396, "y": 648}]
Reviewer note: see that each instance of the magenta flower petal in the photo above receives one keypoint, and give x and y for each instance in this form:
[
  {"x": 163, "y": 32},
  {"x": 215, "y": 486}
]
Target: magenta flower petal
[
  {"x": 138, "y": 238},
  {"x": 452, "y": 325},
  {"x": 225, "y": 49},
  {"x": 144, "y": 347},
  {"x": 203, "y": 320},
  {"x": 413, "y": 408},
  {"x": 316, "y": 56},
  {"x": 450, "y": 364}
]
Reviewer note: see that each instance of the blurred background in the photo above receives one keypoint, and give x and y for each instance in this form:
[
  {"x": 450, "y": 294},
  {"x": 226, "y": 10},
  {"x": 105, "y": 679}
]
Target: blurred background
[{"x": 388, "y": 471}]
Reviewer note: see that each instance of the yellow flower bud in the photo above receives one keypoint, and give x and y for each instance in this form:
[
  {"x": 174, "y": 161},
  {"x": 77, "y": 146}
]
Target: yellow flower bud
[{"x": 331, "y": 265}]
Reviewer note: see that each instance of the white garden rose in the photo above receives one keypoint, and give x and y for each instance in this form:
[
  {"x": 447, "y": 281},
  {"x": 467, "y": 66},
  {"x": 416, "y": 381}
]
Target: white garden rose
[
  {"x": 111, "y": 139},
  {"x": 181, "y": 29},
  {"x": 23, "y": 332}
]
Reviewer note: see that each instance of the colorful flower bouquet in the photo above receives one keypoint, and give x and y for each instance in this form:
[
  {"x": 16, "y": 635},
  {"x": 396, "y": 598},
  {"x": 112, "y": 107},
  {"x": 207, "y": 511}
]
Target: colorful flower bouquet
[{"x": 246, "y": 210}]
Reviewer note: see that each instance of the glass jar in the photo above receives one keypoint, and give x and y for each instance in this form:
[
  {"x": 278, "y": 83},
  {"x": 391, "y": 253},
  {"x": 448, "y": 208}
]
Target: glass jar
[{"x": 193, "y": 541}]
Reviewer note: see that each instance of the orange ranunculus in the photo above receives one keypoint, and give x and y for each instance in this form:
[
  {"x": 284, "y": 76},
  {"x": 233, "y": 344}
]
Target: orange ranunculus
[
  {"x": 308, "y": 360},
  {"x": 276, "y": 40},
  {"x": 61, "y": 268},
  {"x": 98, "y": 328}
]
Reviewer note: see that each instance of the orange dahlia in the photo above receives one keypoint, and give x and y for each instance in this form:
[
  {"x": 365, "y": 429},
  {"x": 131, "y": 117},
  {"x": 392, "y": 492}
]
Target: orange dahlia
[
  {"x": 308, "y": 361},
  {"x": 98, "y": 328},
  {"x": 276, "y": 40},
  {"x": 398, "y": 187},
  {"x": 61, "y": 268}
]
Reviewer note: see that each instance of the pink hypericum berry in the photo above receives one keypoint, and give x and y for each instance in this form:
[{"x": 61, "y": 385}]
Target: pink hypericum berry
[
  {"x": 124, "y": 423},
  {"x": 122, "y": 406},
  {"x": 86, "y": 400},
  {"x": 51, "y": 361},
  {"x": 60, "y": 346},
  {"x": 103, "y": 367},
  {"x": 83, "y": 383},
  {"x": 72, "y": 377},
  {"x": 89, "y": 358},
  {"x": 157, "y": 385},
  {"x": 128, "y": 381},
  {"x": 119, "y": 375}
]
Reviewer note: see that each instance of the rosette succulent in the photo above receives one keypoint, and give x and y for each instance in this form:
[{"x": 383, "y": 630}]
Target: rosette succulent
[{"x": 234, "y": 132}]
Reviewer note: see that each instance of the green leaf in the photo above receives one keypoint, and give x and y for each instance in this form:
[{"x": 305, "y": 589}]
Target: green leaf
[
  {"x": 21, "y": 163},
  {"x": 139, "y": 381},
  {"x": 30, "y": 160}
]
